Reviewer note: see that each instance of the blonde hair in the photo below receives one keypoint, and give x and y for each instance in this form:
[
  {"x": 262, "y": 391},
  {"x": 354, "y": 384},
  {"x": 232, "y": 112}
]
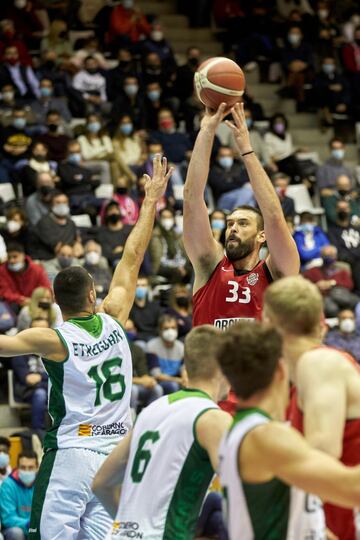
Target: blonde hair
[
  {"x": 201, "y": 345},
  {"x": 296, "y": 305},
  {"x": 34, "y": 310}
]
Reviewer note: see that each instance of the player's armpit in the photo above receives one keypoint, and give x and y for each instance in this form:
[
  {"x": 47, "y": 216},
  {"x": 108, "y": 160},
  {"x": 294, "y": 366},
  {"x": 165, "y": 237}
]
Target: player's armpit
[
  {"x": 41, "y": 341},
  {"x": 210, "y": 428},
  {"x": 109, "y": 478}
]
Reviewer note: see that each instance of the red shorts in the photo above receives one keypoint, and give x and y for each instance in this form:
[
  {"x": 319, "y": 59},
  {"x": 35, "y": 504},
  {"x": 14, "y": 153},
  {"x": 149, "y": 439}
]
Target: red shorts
[{"x": 341, "y": 522}]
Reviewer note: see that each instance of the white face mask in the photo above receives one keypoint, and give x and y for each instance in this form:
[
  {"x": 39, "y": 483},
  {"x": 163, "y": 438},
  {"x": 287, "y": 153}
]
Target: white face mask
[
  {"x": 156, "y": 35},
  {"x": 170, "y": 334},
  {"x": 20, "y": 4},
  {"x": 347, "y": 326},
  {"x": 167, "y": 223},
  {"x": 92, "y": 257},
  {"x": 61, "y": 210},
  {"x": 13, "y": 226}
]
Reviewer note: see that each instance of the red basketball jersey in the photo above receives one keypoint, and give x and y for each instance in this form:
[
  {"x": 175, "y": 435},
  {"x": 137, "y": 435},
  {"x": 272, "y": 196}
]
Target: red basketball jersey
[
  {"x": 230, "y": 295},
  {"x": 340, "y": 521}
]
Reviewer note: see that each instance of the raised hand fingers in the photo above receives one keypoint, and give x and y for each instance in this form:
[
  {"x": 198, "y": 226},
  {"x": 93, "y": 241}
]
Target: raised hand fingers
[
  {"x": 157, "y": 164},
  {"x": 230, "y": 125},
  {"x": 164, "y": 165}
]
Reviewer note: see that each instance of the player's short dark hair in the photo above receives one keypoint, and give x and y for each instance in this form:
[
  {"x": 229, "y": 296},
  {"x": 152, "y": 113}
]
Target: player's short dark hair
[
  {"x": 166, "y": 318},
  {"x": 259, "y": 216},
  {"x": 71, "y": 287},
  {"x": 29, "y": 454},
  {"x": 15, "y": 246},
  {"x": 248, "y": 354},
  {"x": 335, "y": 139},
  {"x": 4, "y": 441}
]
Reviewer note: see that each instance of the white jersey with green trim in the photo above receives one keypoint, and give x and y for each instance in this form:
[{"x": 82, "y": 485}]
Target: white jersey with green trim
[
  {"x": 168, "y": 472},
  {"x": 271, "y": 510},
  {"x": 89, "y": 392}
]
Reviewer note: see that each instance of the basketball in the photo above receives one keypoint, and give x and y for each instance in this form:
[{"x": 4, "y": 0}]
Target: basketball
[{"x": 219, "y": 80}]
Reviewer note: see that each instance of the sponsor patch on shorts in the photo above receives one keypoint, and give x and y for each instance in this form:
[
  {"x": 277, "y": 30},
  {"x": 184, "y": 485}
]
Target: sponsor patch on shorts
[
  {"x": 126, "y": 529},
  {"x": 93, "y": 430}
]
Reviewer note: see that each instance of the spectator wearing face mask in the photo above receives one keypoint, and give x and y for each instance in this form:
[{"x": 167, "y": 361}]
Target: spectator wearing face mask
[
  {"x": 167, "y": 366},
  {"x": 41, "y": 306},
  {"x": 55, "y": 228},
  {"x": 157, "y": 43},
  {"x": 129, "y": 207},
  {"x": 16, "y": 495},
  {"x": 127, "y": 24},
  {"x": 154, "y": 70},
  {"x": 280, "y": 148},
  {"x": 19, "y": 75},
  {"x": 98, "y": 267},
  {"x": 180, "y": 309},
  {"x": 334, "y": 283},
  {"x": 55, "y": 139},
  {"x": 345, "y": 235},
  {"x": 128, "y": 146},
  {"x": 343, "y": 191},
  {"x": 8, "y": 38},
  {"x": 91, "y": 85},
  {"x": 174, "y": 143},
  {"x": 31, "y": 383},
  {"x": 309, "y": 239},
  {"x": 5, "y": 468},
  {"x": 37, "y": 163},
  {"x": 90, "y": 48},
  {"x": 281, "y": 182},
  {"x": 97, "y": 150},
  {"x": 332, "y": 92},
  {"x": 37, "y": 204},
  {"x": 115, "y": 77},
  {"x": 347, "y": 336},
  {"x": 19, "y": 276},
  {"x": 144, "y": 313},
  {"x": 113, "y": 233},
  {"x": 145, "y": 388},
  {"x": 297, "y": 63},
  {"x": 8, "y": 103},
  {"x": 16, "y": 229},
  {"x": 154, "y": 101},
  {"x": 229, "y": 181},
  {"x": 64, "y": 258},
  {"x": 218, "y": 225},
  {"x": 130, "y": 102},
  {"x": 47, "y": 102},
  {"x": 333, "y": 167},
  {"x": 167, "y": 254},
  {"x": 15, "y": 140}
]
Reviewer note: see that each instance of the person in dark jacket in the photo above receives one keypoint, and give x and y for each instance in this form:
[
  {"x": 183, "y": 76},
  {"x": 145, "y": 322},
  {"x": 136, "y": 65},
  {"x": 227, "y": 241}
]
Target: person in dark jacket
[
  {"x": 31, "y": 383},
  {"x": 145, "y": 314},
  {"x": 281, "y": 182}
]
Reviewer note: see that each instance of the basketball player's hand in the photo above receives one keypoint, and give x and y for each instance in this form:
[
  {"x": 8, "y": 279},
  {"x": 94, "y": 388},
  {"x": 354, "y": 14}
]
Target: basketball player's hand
[
  {"x": 155, "y": 187},
  {"x": 213, "y": 118},
  {"x": 239, "y": 128}
]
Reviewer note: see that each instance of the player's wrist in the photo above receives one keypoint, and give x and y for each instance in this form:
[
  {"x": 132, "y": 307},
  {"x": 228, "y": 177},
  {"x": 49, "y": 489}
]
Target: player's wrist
[{"x": 247, "y": 152}]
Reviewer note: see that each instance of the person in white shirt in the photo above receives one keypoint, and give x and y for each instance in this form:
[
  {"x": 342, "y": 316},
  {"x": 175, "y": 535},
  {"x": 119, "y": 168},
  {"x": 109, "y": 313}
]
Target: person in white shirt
[
  {"x": 97, "y": 150},
  {"x": 92, "y": 85},
  {"x": 280, "y": 147}
]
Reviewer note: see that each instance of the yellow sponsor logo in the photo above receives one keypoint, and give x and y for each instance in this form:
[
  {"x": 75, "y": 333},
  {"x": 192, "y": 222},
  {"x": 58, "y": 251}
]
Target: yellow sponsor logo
[
  {"x": 85, "y": 430},
  {"x": 116, "y": 525}
]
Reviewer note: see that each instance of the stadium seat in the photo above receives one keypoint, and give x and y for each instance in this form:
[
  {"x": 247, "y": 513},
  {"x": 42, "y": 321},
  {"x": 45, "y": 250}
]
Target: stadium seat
[
  {"x": 82, "y": 220},
  {"x": 13, "y": 404},
  {"x": 302, "y": 199},
  {"x": 7, "y": 192},
  {"x": 104, "y": 191}
]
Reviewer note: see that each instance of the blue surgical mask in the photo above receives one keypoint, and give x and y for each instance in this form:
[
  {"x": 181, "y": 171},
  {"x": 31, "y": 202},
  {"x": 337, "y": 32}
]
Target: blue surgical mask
[
  {"x": 218, "y": 224},
  {"x": 94, "y": 127},
  {"x": 329, "y": 69},
  {"x": 27, "y": 477},
  {"x": 307, "y": 227},
  {"x": 126, "y": 129},
  {"x": 226, "y": 162},
  {"x": 45, "y": 91},
  {"x": 131, "y": 89},
  {"x": 74, "y": 158},
  {"x": 338, "y": 153},
  {"x": 16, "y": 267},
  {"x": 131, "y": 336},
  {"x": 141, "y": 293},
  {"x": 19, "y": 123},
  {"x": 4, "y": 460},
  {"x": 154, "y": 95}
]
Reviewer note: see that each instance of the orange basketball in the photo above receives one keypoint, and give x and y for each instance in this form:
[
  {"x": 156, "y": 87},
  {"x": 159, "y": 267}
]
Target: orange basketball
[{"x": 219, "y": 80}]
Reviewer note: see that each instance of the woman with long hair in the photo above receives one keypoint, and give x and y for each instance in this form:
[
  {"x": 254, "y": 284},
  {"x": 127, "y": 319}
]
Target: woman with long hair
[
  {"x": 41, "y": 306},
  {"x": 128, "y": 146}
]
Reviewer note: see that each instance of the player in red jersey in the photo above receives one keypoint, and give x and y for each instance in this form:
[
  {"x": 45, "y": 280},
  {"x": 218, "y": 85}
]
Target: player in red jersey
[
  {"x": 325, "y": 403},
  {"x": 229, "y": 288}
]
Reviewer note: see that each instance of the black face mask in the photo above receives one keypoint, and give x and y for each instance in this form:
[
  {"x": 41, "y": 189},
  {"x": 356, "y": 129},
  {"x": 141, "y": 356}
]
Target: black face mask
[
  {"x": 182, "y": 301},
  {"x": 342, "y": 215},
  {"x": 52, "y": 127},
  {"x": 343, "y": 192},
  {"x": 45, "y": 190},
  {"x": 121, "y": 190},
  {"x": 40, "y": 157},
  {"x": 44, "y": 305},
  {"x": 49, "y": 64},
  {"x": 193, "y": 62},
  {"x": 113, "y": 219},
  {"x": 92, "y": 71}
]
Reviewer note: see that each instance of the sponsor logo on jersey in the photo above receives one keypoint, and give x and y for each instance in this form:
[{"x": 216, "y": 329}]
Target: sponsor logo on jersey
[
  {"x": 83, "y": 349},
  {"x": 223, "y": 324},
  {"x": 253, "y": 278},
  {"x": 93, "y": 430},
  {"x": 126, "y": 529},
  {"x": 227, "y": 269}
]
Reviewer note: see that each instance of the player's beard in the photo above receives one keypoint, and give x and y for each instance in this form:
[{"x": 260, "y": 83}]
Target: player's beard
[{"x": 240, "y": 250}]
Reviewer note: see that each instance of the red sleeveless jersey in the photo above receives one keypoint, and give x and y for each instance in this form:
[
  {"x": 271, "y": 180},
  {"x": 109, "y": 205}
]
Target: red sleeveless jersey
[
  {"x": 230, "y": 295},
  {"x": 339, "y": 520}
]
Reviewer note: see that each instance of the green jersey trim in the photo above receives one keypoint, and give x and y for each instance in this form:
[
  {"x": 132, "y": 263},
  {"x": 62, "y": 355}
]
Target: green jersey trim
[
  {"x": 187, "y": 393},
  {"x": 122, "y": 328},
  {"x": 188, "y": 496},
  {"x": 195, "y": 422},
  {"x": 92, "y": 324},
  {"x": 243, "y": 413},
  {"x": 57, "y": 408}
]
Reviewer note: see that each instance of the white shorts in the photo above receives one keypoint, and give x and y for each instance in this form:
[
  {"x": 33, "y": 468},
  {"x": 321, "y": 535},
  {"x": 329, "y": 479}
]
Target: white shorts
[{"x": 64, "y": 507}]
